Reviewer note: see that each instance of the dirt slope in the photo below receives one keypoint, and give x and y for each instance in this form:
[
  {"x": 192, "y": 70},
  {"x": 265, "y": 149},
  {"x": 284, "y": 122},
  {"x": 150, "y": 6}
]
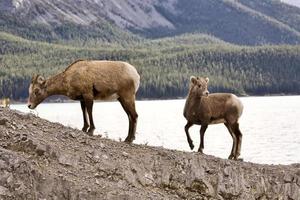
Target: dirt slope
[{"x": 44, "y": 160}]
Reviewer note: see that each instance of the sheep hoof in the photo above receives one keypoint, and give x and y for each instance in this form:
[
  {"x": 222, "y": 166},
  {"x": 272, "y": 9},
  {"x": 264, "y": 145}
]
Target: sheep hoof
[
  {"x": 192, "y": 146},
  {"x": 91, "y": 131},
  {"x": 85, "y": 128},
  {"x": 200, "y": 151},
  {"x": 231, "y": 157},
  {"x": 129, "y": 140}
]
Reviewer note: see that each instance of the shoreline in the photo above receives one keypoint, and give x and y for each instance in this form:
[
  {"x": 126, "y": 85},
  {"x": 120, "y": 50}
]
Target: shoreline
[{"x": 151, "y": 99}]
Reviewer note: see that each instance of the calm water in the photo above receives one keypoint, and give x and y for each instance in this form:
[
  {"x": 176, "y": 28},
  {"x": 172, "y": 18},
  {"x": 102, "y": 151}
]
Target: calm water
[{"x": 270, "y": 126}]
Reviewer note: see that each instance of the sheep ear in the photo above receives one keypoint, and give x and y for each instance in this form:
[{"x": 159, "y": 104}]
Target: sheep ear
[
  {"x": 41, "y": 80},
  {"x": 207, "y": 79},
  {"x": 193, "y": 79},
  {"x": 34, "y": 77}
]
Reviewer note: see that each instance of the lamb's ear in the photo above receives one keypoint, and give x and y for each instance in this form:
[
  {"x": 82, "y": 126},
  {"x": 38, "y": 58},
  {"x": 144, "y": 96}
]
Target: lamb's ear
[
  {"x": 207, "y": 79},
  {"x": 193, "y": 79},
  {"x": 41, "y": 80}
]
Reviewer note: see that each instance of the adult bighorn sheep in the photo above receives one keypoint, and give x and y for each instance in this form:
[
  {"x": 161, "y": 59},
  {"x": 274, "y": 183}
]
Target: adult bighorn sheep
[
  {"x": 91, "y": 80},
  {"x": 203, "y": 109}
]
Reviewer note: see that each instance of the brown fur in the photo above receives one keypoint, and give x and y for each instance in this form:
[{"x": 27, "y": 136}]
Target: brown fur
[
  {"x": 92, "y": 80},
  {"x": 203, "y": 109}
]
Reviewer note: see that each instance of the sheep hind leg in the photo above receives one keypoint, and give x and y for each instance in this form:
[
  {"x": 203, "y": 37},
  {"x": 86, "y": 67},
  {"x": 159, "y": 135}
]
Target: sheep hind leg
[
  {"x": 89, "y": 107},
  {"x": 129, "y": 107},
  {"x": 239, "y": 137},
  {"x": 190, "y": 141},
  {"x": 234, "y": 145},
  {"x": 84, "y": 113},
  {"x": 202, "y": 132}
]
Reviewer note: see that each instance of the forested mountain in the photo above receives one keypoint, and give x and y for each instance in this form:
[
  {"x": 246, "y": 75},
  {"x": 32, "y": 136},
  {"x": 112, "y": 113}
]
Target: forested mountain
[
  {"x": 253, "y": 22},
  {"x": 167, "y": 41},
  {"x": 164, "y": 71}
]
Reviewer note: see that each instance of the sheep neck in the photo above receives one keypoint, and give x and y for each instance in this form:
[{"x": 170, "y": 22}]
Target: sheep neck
[
  {"x": 193, "y": 101},
  {"x": 195, "y": 98},
  {"x": 55, "y": 85}
]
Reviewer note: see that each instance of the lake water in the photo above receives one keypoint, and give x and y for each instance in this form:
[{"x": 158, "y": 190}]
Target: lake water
[{"x": 270, "y": 126}]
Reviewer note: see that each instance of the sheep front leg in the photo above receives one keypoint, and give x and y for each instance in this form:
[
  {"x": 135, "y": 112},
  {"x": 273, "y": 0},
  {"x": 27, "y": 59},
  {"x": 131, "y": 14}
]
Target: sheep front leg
[
  {"x": 202, "y": 132},
  {"x": 190, "y": 141}
]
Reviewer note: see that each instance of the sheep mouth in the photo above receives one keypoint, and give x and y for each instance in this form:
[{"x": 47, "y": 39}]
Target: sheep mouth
[{"x": 30, "y": 106}]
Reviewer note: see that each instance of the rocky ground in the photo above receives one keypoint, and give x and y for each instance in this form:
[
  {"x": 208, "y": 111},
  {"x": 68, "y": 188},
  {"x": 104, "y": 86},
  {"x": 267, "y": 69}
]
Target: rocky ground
[{"x": 44, "y": 160}]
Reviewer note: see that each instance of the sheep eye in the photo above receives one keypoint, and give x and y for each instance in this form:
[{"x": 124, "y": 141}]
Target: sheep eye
[{"x": 36, "y": 92}]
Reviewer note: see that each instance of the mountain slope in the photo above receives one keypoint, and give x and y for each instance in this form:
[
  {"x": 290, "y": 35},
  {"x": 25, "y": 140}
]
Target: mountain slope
[
  {"x": 165, "y": 65},
  {"x": 229, "y": 20},
  {"x": 44, "y": 160},
  {"x": 241, "y": 22},
  {"x": 284, "y": 13}
]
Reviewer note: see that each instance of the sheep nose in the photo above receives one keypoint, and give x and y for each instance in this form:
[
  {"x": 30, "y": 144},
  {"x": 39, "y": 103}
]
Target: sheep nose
[
  {"x": 206, "y": 93},
  {"x": 29, "y": 106}
]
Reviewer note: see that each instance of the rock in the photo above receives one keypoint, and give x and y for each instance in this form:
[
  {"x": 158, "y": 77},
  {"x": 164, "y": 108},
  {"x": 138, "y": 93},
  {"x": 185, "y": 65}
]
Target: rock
[
  {"x": 69, "y": 160},
  {"x": 288, "y": 178},
  {"x": 4, "y": 191}
]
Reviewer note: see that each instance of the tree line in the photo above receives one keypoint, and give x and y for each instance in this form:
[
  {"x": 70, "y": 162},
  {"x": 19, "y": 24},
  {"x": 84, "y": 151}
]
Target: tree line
[{"x": 164, "y": 71}]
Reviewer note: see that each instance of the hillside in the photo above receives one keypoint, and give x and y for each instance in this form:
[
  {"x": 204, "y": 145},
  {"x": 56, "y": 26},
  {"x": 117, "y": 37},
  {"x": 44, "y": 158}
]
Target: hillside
[
  {"x": 253, "y": 22},
  {"x": 165, "y": 71},
  {"x": 44, "y": 160}
]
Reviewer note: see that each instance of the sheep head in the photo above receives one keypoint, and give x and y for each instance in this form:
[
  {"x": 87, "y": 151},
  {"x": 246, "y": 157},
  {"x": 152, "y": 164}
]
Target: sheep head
[
  {"x": 198, "y": 86},
  {"x": 37, "y": 91}
]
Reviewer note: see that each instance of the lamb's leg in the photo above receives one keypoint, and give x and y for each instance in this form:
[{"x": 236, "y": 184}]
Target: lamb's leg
[
  {"x": 190, "y": 141},
  {"x": 202, "y": 132},
  {"x": 85, "y": 123},
  {"x": 128, "y": 105},
  {"x": 89, "y": 107},
  {"x": 239, "y": 137},
  {"x": 233, "y": 150}
]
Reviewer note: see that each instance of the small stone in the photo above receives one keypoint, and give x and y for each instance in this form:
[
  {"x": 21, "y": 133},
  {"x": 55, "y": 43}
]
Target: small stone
[
  {"x": 68, "y": 160},
  {"x": 2, "y": 164},
  {"x": 125, "y": 154},
  {"x": 288, "y": 178},
  {"x": 226, "y": 171},
  {"x": 41, "y": 149},
  {"x": 102, "y": 145},
  {"x": 3, "y": 121},
  {"x": 73, "y": 135},
  {"x": 24, "y": 137}
]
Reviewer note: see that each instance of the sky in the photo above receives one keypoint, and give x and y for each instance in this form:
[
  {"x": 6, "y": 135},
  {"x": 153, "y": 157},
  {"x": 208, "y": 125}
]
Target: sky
[{"x": 292, "y": 2}]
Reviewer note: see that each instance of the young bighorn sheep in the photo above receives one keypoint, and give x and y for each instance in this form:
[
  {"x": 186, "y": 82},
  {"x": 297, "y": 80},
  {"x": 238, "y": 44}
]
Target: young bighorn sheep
[
  {"x": 91, "y": 80},
  {"x": 203, "y": 109}
]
